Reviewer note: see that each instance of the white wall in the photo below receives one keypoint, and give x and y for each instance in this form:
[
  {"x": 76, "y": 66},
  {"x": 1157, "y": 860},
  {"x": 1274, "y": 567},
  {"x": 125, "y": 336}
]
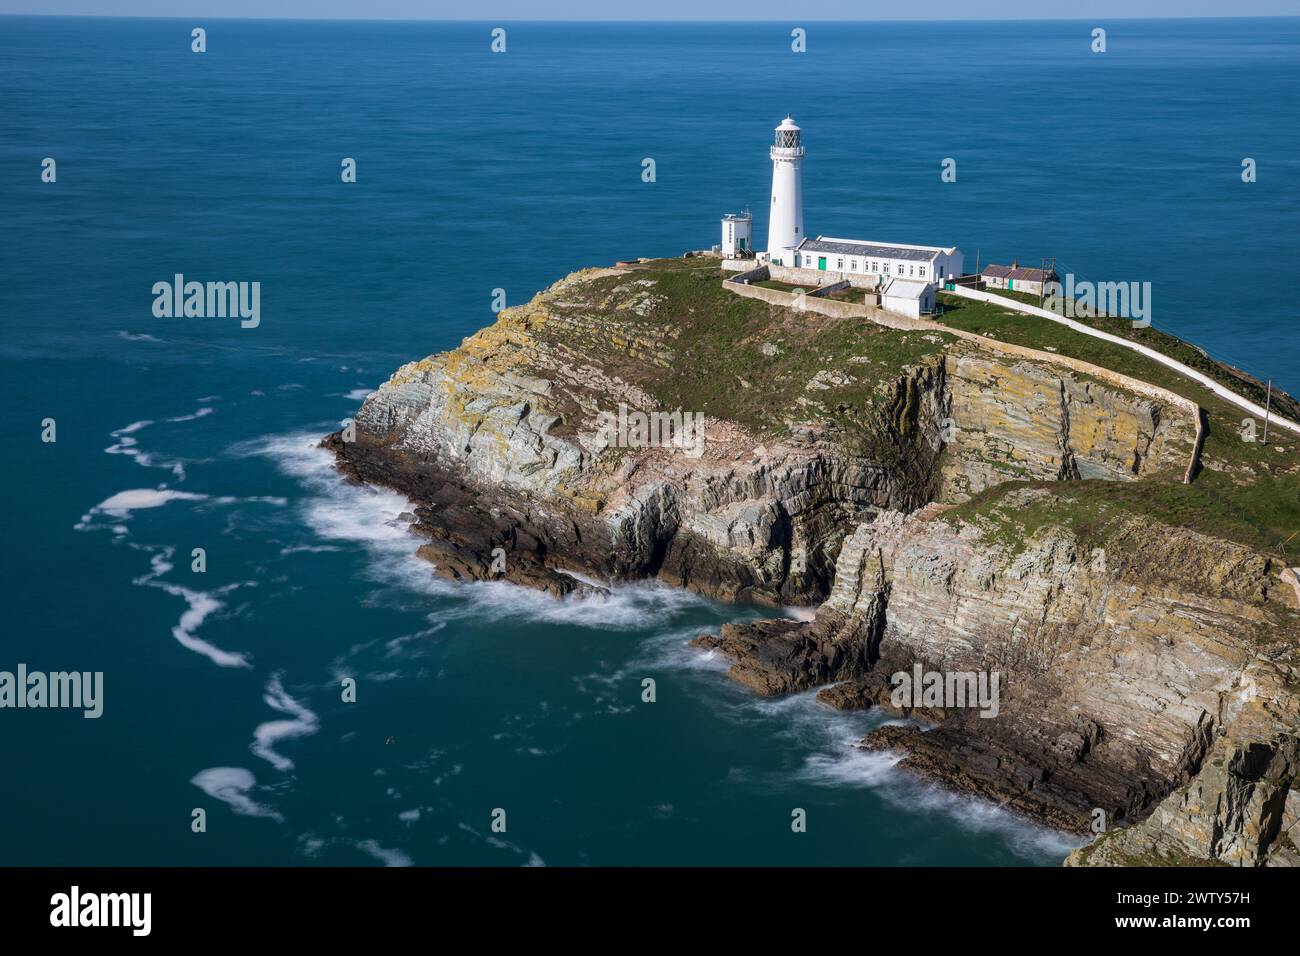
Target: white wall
[
  {"x": 887, "y": 267},
  {"x": 950, "y": 264},
  {"x": 901, "y": 305},
  {"x": 785, "y": 221}
]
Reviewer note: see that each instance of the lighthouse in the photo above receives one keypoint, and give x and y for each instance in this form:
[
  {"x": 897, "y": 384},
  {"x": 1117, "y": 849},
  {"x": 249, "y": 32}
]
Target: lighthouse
[{"x": 785, "y": 224}]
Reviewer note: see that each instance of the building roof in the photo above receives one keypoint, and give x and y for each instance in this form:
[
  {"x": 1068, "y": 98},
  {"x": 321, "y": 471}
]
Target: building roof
[
  {"x": 905, "y": 288},
  {"x": 1018, "y": 272},
  {"x": 855, "y": 247}
]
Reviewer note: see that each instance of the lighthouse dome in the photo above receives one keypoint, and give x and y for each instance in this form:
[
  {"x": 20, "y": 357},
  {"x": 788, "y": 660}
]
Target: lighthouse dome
[{"x": 787, "y": 135}]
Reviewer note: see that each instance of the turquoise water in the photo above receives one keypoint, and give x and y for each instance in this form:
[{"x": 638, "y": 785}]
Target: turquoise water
[{"x": 222, "y": 688}]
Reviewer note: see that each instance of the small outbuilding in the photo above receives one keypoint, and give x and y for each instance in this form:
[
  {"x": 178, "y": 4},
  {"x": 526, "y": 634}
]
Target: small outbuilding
[
  {"x": 1016, "y": 278},
  {"x": 738, "y": 236},
  {"x": 908, "y": 297}
]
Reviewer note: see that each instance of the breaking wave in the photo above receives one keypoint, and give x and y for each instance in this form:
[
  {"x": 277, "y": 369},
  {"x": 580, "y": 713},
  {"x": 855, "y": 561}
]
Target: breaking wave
[{"x": 378, "y": 519}]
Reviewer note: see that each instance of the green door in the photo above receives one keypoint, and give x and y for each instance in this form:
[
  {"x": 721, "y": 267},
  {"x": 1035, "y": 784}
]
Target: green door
[
  {"x": 1011, "y": 283},
  {"x": 821, "y": 263}
]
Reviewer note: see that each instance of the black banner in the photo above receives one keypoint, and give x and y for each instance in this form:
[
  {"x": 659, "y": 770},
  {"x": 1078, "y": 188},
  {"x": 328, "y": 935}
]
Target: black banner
[{"x": 928, "y": 906}]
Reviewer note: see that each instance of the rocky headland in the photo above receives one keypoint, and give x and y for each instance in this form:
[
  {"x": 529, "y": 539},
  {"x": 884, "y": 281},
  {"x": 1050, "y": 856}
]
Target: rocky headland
[{"x": 1094, "y": 532}]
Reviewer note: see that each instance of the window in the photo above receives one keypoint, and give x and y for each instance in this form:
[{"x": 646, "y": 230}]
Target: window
[
  {"x": 875, "y": 267},
  {"x": 923, "y": 272},
  {"x": 839, "y": 263},
  {"x": 900, "y": 268},
  {"x": 853, "y": 265}
]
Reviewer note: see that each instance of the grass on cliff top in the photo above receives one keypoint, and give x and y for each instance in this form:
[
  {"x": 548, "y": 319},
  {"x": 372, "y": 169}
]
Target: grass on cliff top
[
  {"x": 1090, "y": 510},
  {"x": 759, "y": 365}
]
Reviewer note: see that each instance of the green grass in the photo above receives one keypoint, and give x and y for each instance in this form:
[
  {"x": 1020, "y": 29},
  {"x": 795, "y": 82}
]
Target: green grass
[
  {"x": 782, "y": 286},
  {"x": 751, "y": 362},
  {"x": 1092, "y": 510}
]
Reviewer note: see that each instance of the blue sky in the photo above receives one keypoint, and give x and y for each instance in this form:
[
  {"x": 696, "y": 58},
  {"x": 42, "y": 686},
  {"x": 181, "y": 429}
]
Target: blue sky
[{"x": 781, "y": 10}]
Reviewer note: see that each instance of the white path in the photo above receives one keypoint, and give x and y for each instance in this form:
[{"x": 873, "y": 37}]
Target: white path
[{"x": 1200, "y": 378}]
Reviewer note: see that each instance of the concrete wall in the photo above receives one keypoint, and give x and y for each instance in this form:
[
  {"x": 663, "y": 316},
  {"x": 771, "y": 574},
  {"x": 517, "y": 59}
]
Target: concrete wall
[
  {"x": 829, "y": 307},
  {"x": 816, "y": 277},
  {"x": 756, "y": 274},
  {"x": 829, "y": 288}
]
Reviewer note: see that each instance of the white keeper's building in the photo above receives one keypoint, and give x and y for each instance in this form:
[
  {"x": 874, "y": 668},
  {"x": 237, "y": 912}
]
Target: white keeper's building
[
  {"x": 863, "y": 263},
  {"x": 883, "y": 260}
]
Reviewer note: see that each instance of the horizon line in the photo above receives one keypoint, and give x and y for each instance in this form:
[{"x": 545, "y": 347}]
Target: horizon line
[{"x": 630, "y": 20}]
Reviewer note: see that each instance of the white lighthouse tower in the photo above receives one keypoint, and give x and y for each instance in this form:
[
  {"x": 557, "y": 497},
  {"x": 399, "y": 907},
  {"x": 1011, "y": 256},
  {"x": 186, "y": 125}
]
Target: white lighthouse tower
[{"x": 785, "y": 224}]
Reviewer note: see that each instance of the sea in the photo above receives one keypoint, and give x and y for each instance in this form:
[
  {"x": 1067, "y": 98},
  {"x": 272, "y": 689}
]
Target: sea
[{"x": 182, "y": 535}]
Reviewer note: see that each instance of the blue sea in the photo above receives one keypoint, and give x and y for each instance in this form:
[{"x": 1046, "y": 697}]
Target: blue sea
[{"x": 478, "y": 171}]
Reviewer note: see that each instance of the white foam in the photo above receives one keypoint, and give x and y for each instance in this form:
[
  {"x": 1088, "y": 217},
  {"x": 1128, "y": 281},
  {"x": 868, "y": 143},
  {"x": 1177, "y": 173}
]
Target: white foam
[
  {"x": 840, "y": 762},
  {"x": 387, "y": 856},
  {"x": 359, "y": 394},
  {"x": 338, "y": 510},
  {"x": 267, "y": 735},
  {"x": 198, "y": 413},
  {"x": 231, "y": 786},
  {"x": 201, "y": 604},
  {"x": 129, "y": 446},
  {"x": 308, "y": 549},
  {"x": 123, "y": 503}
]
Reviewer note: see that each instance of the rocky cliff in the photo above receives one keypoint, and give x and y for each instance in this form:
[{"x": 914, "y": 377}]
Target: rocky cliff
[{"x": 945, "y": 504}]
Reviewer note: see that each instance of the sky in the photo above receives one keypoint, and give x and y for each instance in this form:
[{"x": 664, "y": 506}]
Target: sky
[{"x": 748, "y": 10}]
